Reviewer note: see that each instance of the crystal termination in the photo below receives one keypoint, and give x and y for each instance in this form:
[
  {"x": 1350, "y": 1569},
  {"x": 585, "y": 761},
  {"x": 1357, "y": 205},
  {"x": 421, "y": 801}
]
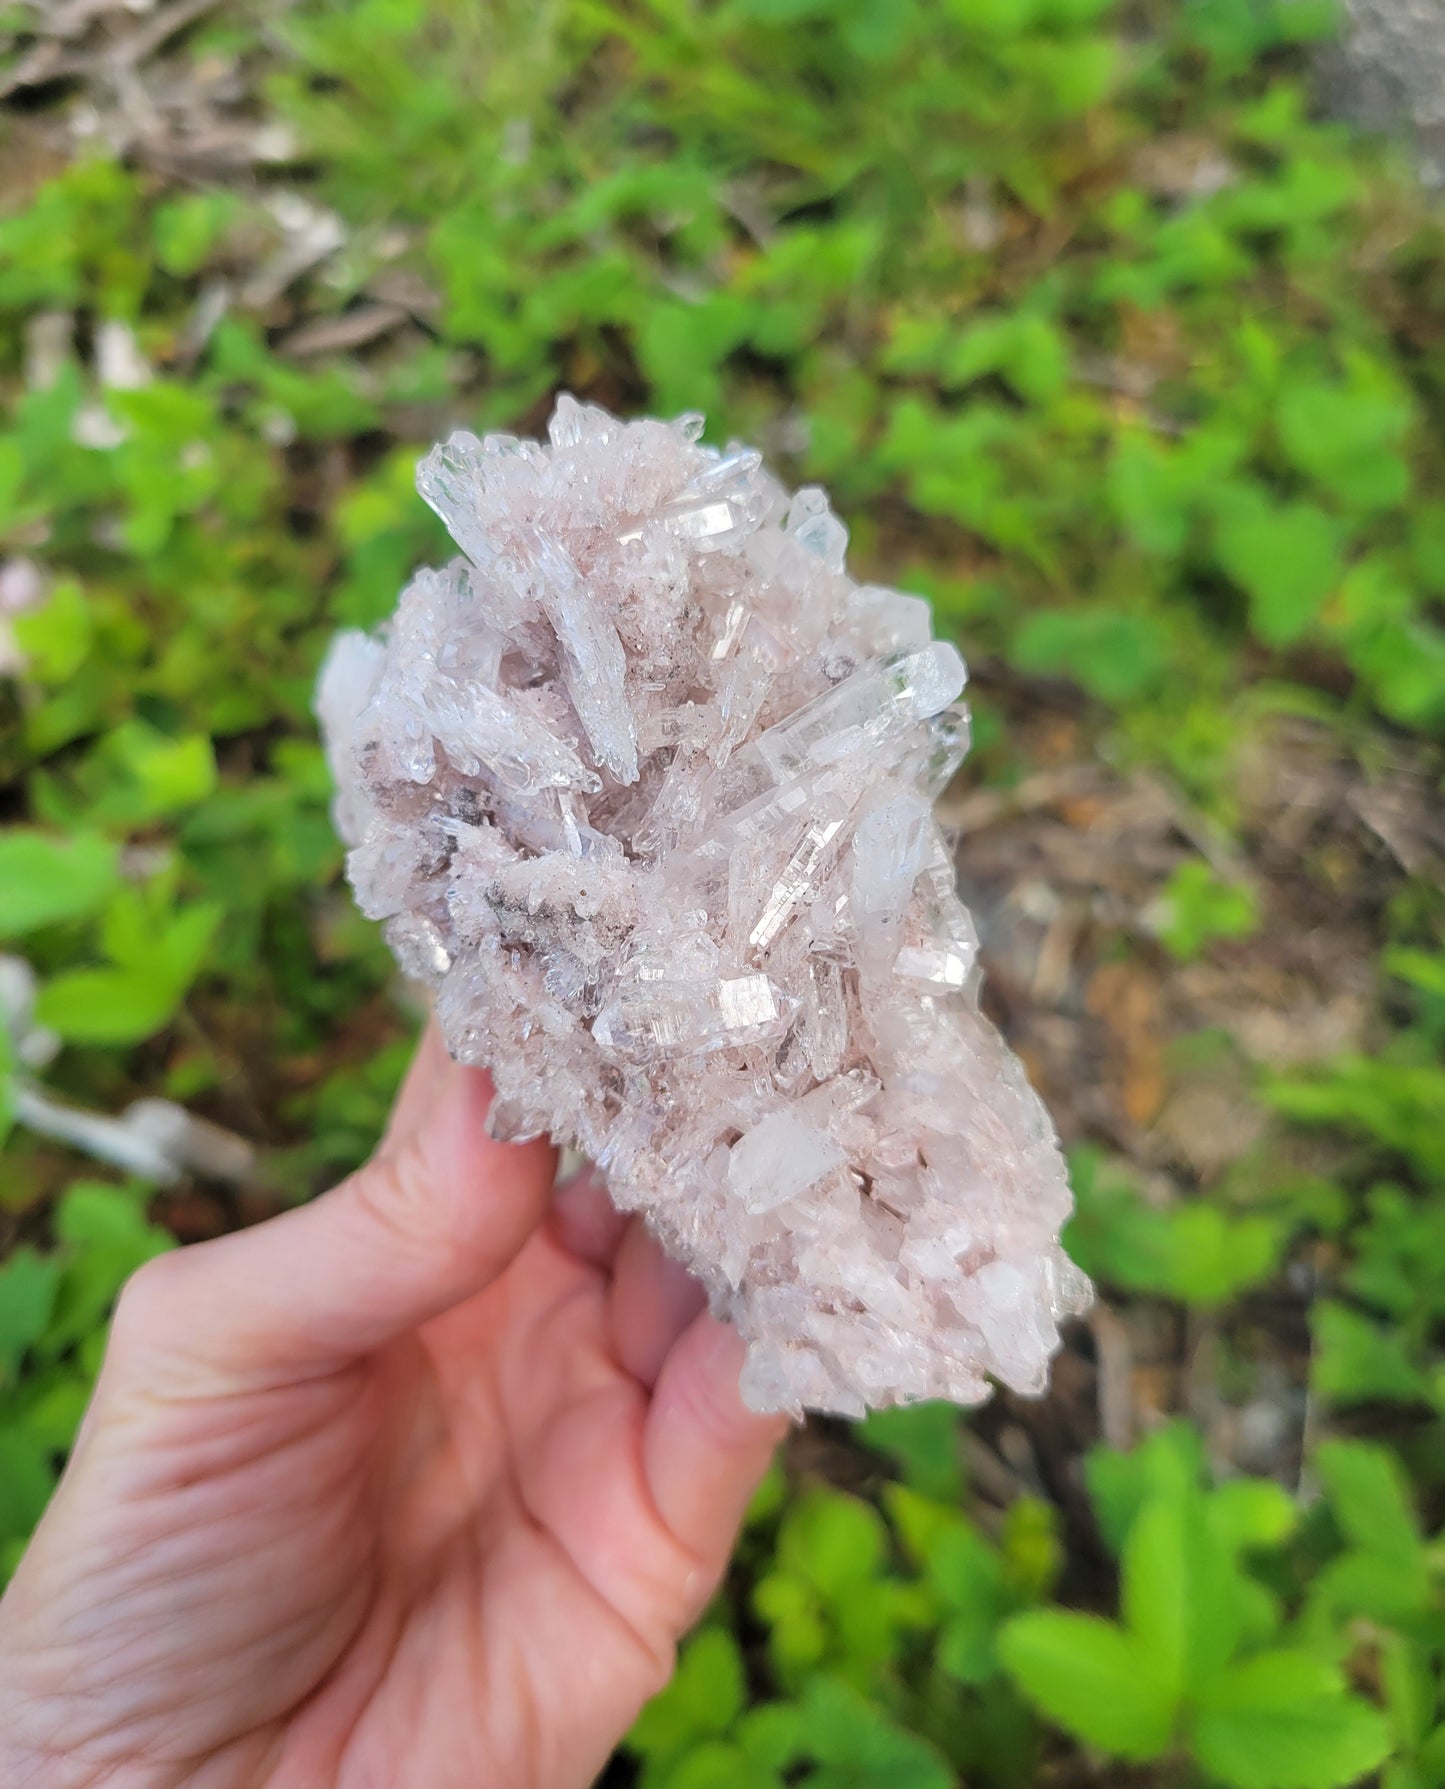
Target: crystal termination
[{"x": 641, "y": 783}]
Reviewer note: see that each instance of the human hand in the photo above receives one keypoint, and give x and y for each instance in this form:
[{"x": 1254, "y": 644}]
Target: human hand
[{"x": 417, "y": 1485}]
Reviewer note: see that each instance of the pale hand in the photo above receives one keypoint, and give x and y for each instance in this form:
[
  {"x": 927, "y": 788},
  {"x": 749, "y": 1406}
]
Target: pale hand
[{"x": 415, "y": 1487}]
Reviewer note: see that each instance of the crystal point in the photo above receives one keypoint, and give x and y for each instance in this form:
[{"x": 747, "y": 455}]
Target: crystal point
[{"x": 641, "y": 784}]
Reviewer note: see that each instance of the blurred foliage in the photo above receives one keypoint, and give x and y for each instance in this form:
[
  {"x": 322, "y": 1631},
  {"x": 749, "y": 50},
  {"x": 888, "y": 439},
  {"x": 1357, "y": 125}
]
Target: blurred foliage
[
  {"x": 53, "y": 1308},
  {"x": 1101, "y": 340}
]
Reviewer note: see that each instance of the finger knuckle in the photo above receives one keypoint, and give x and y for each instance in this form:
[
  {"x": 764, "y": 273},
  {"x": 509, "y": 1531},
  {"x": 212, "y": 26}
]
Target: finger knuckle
[
  {"x": 150, "y": 1298},
  {"x": 391, "y": 1196}
]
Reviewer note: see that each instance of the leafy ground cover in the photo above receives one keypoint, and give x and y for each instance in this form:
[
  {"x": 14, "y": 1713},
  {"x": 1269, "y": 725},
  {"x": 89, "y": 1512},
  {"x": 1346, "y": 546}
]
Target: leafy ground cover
[{"x": 1136, "y": 367}]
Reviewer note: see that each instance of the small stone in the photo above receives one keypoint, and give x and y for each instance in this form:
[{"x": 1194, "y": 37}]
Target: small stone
[{"x": 641, "y": 783}]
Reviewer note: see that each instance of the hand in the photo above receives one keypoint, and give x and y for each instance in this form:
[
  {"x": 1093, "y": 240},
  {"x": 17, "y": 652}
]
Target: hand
[{"x": 413, "y": 1487}]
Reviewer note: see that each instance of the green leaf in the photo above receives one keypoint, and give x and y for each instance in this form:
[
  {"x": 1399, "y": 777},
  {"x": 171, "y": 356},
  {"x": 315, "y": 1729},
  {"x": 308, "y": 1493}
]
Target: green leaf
[
  {"x": 924, "y": 1440},
  {"x": 168, "y": 948},
  {"x": 967, "y": 1573},
  {"x": 1287, "y": 557},
  {"x": 1421, "y": 968},
  {"x": 704, "y": 1698},
  {"x": 1168, "y": 1464},
  {"x": 12, "y": 478},
  {"x": 1195, "y": 1252},
  {"x": 188, "y": 229},
  {"x": 919, "y": 1521},
  {"x": 1180, "y": 1592},
  {"x": 1147, "y": 497},
  {"x": 1376, "y": 1585},
  {"x": 1158, "y": 492},
  {"x": 1214, "y": 1257},
  {"x": 832, "y": 1542},
  {"x": 1282, "y": 1720},
  {"x": 966, "y": 1648},
  {"x": 712, "y": 1765},
  {"x": 26, "y": 1481},
  {"x": 1030, "y": 1547},
  {"x": 784, "y": 12},
  {"x": 1431, "y": 1758},
  {"x": 680, "y": 346},
  {"x": 1394, "y": 1096},
  {"x": 998, "y": 18},
  {"x": 54, "y": 1402},
  {"x": 106, "y": 1237},
  {"x": 1402, "y": 664},
  {"x": 179, "y": 950},
  {"x": 1368, "y": 1498},
  {"x": 1253, "y": 1512},
  {"x": 56, "y": 637},
  {"x": 173, "y": 774},
  {"x": 768, "y": 1499},
  {"x": 1305, "y": 21},
  {"x": 861, "y": 1748},
  {"x": 45, "y": 880},
  {"x": 1115, "y": 656},
  {"x": 106, "y": 1006},
  {"x": 28, "y": 1284},
  {"x": 1347, "y": 440},
  {"x": 1091, "y": 1678},
  {"x": 772, "y": 1737},
  {"x": 141, "y": 774},
  {"x": 1027, "y": 350},
  {"x": 1400, "y": 1254},
  {"x": 7, "y": 1084},
  {"x": 1357, "y": 1360},
  {"x": 1198, "y": 907},
  {"x": 879, "y": 33}
]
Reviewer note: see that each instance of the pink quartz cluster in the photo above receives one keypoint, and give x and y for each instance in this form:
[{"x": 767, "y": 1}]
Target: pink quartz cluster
[{"x": 641, "y": 783}]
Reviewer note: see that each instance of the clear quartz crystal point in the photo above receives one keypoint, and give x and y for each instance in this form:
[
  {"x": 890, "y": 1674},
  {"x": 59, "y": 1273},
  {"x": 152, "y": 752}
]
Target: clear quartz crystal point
[
  {"x": 650, "y": 1020},
  {"x": 641, "y": 783}
]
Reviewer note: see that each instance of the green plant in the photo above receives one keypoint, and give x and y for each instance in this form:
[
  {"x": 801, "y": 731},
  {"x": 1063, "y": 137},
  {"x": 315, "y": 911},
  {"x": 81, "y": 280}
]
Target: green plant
[
  {"x": 1198, "y": 907},
  {"x": 1196, "y": 1252},
  {"x": 1202, "y": 1659},
  {"x": 53, "y": 1308},
  {"x": 700, "y": 1734},
  {"x": 1105, "y": 340}
]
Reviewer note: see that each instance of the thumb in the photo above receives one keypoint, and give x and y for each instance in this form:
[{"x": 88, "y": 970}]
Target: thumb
[{"x": 434, "y": 1217}]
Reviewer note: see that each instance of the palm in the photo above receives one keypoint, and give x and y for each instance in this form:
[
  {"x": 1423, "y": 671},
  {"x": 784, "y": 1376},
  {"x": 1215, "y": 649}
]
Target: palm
[
  {"x": 514, "y": 1498},
  {"x": 464, "y": 1555}
]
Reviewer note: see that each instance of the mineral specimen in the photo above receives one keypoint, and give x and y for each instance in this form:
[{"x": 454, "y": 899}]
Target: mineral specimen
[{"x": 641, "y": 783}]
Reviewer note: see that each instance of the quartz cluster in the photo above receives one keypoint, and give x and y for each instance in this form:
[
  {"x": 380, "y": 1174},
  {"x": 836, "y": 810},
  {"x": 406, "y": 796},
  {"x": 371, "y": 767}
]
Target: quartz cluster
[{"x": 641, "y": 783}]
